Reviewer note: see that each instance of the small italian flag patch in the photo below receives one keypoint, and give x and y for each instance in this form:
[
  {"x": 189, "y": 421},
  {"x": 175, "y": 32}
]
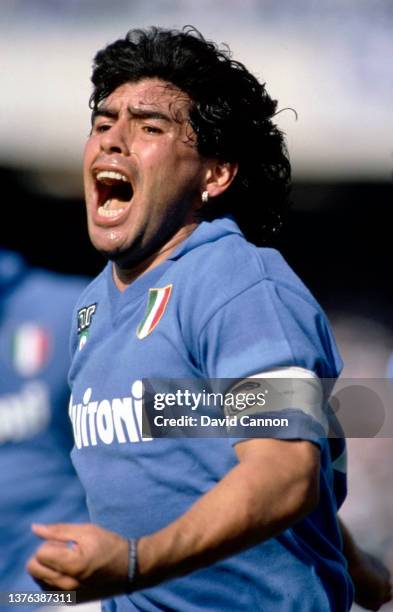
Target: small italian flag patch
[
  {"x": 157, "y": 302},
  {"x": 83, "y": 339},
  {"x": 30, "y": 349}
]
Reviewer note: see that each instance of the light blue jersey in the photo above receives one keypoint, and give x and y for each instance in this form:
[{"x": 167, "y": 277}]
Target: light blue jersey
[
  {"x": 37, "y": 480},
  {"x": 217, "y": 308}
]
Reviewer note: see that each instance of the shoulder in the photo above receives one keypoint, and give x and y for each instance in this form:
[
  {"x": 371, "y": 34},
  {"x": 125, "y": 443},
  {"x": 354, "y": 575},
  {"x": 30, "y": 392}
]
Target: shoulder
[
  {"x": 62, "y": 289},
  {"x": 43, "y": 294},
  {"x": 93, "y": 290},
  {"x": 231, "y": 269},
  {"x": 237, "y": 299}
]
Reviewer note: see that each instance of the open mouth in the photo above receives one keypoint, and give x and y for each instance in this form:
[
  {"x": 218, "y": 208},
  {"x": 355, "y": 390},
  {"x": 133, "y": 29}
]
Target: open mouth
[{"x": 114, "y": 193}]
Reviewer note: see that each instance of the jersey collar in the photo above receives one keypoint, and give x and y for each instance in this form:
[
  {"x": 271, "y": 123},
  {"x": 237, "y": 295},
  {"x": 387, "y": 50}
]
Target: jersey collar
[{"x": 207, "y": 231}]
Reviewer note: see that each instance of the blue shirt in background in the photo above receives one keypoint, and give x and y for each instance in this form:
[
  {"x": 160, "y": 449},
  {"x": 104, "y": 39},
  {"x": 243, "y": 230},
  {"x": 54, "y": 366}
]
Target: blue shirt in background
[{"x": 37, "y": 479}]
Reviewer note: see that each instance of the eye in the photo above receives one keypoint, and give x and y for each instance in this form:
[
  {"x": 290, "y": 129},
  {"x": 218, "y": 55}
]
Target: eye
[
  {"x": 151, "y": 129},
  {"x": 99, "y": 128}
]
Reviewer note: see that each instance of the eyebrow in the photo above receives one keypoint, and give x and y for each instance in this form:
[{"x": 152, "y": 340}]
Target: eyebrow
[{"x": 132, "y": 111}]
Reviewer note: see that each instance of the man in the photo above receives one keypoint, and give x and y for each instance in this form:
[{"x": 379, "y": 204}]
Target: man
[
  {"x": 37, "y": 480},
  {"x": 182, "y": 144}
]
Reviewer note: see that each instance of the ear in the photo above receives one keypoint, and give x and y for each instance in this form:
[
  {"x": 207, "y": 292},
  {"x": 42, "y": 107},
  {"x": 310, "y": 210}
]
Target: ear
[{"x": 219, "y": 176}]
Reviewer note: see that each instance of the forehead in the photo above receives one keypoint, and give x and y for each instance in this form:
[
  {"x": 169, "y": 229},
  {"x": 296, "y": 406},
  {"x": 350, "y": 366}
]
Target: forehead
[{"x": 154, "y": 94}]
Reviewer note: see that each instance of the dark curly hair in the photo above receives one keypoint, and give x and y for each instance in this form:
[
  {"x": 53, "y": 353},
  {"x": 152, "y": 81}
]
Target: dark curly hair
[{"x": 230, "y": 112}]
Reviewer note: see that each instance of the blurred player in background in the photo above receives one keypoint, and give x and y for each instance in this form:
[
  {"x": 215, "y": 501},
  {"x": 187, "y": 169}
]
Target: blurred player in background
[
  {"x": 37, "y": 480},
  {"x": 183, "y": 151}
]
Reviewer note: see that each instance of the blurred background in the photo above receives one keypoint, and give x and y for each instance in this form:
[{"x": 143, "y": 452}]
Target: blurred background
[{"x": 330, "y": 61}]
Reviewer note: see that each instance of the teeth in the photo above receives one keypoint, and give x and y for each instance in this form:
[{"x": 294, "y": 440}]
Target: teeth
[
  {"x": 108, "y": 174},
  {"x": 105, "y": 212}
]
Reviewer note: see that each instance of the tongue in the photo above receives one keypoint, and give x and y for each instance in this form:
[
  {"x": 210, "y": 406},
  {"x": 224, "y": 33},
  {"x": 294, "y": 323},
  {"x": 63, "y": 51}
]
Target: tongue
[{"x": 114, "y": 204}]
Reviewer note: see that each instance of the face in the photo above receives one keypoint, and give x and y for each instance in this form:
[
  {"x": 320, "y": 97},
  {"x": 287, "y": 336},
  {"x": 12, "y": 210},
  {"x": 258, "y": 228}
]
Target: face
[{"x": 143, "y": 175}]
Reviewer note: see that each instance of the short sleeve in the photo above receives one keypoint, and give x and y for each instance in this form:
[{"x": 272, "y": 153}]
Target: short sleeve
[{"x": 267, "y": 327}]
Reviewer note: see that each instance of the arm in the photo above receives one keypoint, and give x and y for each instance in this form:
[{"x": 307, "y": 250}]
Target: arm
[
  {"x": 371, "y": 579},
  {"x": 249, "y": 505}
]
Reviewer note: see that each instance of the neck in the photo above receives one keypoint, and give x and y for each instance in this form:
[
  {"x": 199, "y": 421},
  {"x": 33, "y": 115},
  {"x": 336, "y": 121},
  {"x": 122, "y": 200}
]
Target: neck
[{"x": 124, "y": 277}]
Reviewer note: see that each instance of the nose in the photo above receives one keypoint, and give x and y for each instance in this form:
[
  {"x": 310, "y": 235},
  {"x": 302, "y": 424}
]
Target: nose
[{"x": 114, "y": 139}]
